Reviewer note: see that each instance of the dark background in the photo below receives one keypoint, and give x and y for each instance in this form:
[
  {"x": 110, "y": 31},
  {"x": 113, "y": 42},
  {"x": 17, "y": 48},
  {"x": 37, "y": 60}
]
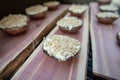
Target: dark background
[{"x": 18, "y": 6}]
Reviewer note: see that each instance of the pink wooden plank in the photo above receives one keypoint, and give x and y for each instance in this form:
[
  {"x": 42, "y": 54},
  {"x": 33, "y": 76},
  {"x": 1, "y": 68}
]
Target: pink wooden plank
[
  {"x": 11, "y": 46},
  {"x": 39, "y": 66},
  {"x": 106, "y": 52}
]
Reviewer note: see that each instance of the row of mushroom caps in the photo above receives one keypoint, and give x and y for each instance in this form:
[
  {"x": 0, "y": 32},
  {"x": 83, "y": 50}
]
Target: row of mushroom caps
[
  {"x": 108, "y": 14},
  {"x": 63, "y": 47},
  {"x": 15, "y": 24}
]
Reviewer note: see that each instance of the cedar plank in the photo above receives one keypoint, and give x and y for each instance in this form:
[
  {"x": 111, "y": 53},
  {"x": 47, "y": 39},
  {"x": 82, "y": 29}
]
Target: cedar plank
[
  {"x": 40, "y": 66},
  {"x": 15, "y": 49},
  {"x": 106, "y": 52}
]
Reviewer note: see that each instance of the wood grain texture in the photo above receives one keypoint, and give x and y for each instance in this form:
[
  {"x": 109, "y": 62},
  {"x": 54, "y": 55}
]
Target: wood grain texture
[
  {"x": 106, "y": 52},
  {"x": 40, "y": 66},
  {"x": 15, "y": 49}
]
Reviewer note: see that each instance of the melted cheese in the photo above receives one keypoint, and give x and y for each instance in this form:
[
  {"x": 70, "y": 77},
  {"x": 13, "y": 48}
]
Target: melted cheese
[
  {"x": 11, "y": 21},
  {"x": 36, "y": 9},
  {"x": 108, "y": 8},
  {"x": 61, "y": 47},
  {"x": 51, "y": 3},
  {"x": 107, "y": 15},
  {"x": 78, "y": 8},
  {"x": 69, "y": 22}
]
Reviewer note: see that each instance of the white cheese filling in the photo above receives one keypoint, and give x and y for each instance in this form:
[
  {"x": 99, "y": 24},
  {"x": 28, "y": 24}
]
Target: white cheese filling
[
  {"x": 61, "y": 47},
  {"x": 77, "y": 8},
  {"x": 107, "y": 15},
  {"x": 51, "y": 3},
  {"x": 69, "y": 22},
  {"x": 11, "y": 21},
  {"x": 108, "y": 8},
  {"x": 36, "y": 9}
]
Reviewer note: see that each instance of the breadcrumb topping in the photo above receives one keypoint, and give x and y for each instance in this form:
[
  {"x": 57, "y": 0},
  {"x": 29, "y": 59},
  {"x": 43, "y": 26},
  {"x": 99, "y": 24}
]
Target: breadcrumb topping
[
  {"x": 107, "y": 15},
  {"x": 51, "y": 3},
  {"x": 69, "y": 22},
  {"x": 36, "y": 9},
  {"x": 16, "y": 20},
  {"x": 108, "y": 8},
  {"x": 77, "y": 8},
  {"x": 61, "y": 47}
]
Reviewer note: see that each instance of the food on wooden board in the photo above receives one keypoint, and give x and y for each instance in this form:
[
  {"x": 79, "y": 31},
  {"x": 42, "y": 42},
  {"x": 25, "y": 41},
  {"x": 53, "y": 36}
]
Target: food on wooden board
[
  {"x": 77, "y": 10},
  {"x": 52, "y": 5},
  {"x": 36, "y": 11},
  {"x": 109, "y": 8},
  {"x": 61, "y": 47},
  {"x": 70, "y": 24},
  {"x": 14, "y": 24},
  {"x": 107, "y": 17}
]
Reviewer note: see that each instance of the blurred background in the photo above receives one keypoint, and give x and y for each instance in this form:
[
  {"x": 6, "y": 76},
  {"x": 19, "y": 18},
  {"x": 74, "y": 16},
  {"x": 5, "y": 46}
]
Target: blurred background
[{"x": 18, "y": 6}]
